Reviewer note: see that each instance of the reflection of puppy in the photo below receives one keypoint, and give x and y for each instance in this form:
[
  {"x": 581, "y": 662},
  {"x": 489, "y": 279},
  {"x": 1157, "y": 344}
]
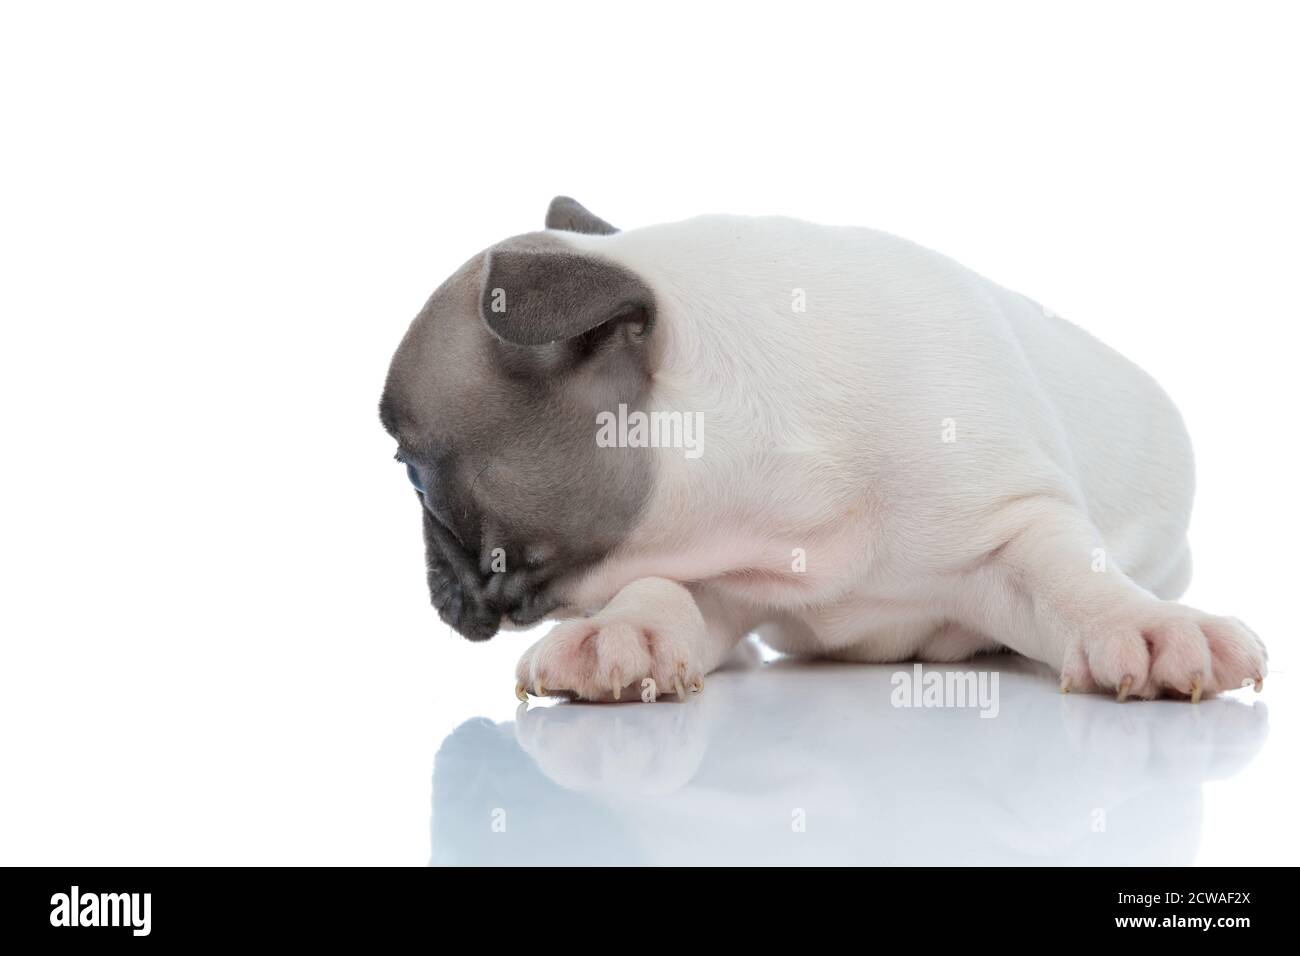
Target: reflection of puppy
[
  {"x": 799, "y": 763},
  {"x": 898, "y": 459}
]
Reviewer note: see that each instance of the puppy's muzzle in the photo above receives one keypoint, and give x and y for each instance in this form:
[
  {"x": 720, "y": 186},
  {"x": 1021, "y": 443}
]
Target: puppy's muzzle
[{"x": 472, "y": 601}]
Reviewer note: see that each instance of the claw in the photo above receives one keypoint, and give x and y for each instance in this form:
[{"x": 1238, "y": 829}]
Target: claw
[
  {"x": 1065, "y": 685},
  {"x": 520, "y": 692},
  {"x": 1259, "y": 684},
  {"x": 697, "y": 685},
  {"x": 1124, "y": 686},
  {"x": 681, "y": 690},
  {"x": 616, "y": 682},
  {"x": 541, "y": 691},
  {"x": 1196, "y": 691}
]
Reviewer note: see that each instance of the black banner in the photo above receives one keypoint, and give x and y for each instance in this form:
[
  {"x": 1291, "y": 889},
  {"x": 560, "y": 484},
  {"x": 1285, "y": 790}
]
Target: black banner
[{"x": 137, "y": 906}]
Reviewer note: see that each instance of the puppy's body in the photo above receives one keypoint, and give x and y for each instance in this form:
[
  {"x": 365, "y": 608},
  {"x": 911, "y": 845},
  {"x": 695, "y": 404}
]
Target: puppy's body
[
  {"x": 891, "y": 430},
  {"x": 901, "y": 459}
]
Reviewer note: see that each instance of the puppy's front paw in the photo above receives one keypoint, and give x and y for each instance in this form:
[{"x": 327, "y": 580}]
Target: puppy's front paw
[
  {"x": 607, "y": 660},
  {"x": 1165, "y": 649}
]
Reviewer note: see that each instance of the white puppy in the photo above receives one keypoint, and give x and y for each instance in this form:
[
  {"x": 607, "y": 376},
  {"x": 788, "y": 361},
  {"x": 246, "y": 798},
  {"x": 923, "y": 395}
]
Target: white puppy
[{"x": 886, "y": 457}]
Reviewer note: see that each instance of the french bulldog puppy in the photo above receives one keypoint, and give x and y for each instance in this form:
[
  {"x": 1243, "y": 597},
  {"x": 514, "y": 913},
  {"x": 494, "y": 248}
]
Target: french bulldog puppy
[{"x": 673, "y": 436}]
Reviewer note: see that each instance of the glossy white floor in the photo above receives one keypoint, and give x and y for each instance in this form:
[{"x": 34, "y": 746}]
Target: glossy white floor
[
  {"x": 324, "y": 745},
  {"x": 784, "y": 762}
]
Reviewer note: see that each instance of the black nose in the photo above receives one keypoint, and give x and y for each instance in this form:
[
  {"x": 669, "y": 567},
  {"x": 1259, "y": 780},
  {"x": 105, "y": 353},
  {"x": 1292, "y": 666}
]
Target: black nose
[
  {"x": 462, "y": 609},
  {"x": 455, "y": 585}
]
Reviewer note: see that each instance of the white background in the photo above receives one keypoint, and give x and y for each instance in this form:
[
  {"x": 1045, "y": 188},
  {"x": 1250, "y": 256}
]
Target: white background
[{"x": 216, "y": 220}]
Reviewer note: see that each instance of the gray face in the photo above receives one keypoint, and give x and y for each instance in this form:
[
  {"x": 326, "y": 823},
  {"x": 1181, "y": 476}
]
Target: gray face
[{"x": 493, "y": 397}]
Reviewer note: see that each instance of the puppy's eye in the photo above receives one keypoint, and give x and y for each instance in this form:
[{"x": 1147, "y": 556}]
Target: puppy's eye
[
  {"x": 415, "y": 478},
  {"x": 636, "y": 328}
]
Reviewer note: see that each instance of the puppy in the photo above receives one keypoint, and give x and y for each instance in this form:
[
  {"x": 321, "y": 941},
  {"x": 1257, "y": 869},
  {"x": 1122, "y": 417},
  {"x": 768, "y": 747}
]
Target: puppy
[{"x": 674, "y": 436}]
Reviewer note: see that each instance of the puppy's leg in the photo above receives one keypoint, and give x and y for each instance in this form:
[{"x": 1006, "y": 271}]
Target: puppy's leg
[
  {"x": 653, "y": 628},
  {"x": 1051, "y": 592}
]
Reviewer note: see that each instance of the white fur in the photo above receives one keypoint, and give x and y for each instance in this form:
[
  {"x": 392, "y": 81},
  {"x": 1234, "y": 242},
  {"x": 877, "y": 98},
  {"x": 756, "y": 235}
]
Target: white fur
[{"x": 1054, "y": 524}]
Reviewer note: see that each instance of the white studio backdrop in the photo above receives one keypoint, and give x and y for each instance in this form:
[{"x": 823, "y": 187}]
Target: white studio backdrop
[{"x": 216, "y": 221}]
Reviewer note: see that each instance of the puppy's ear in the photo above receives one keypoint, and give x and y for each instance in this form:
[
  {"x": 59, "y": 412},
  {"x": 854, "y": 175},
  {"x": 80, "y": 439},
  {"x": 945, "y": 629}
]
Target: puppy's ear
[
  {"x": 571, "y": 216},
  {"x": 532, "y": 297}
]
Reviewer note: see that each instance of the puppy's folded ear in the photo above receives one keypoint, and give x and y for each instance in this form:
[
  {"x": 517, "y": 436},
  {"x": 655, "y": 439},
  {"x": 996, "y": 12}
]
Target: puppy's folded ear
[
  {"x": 571, "y": 216},
  {"x": 532, "y": 297}
]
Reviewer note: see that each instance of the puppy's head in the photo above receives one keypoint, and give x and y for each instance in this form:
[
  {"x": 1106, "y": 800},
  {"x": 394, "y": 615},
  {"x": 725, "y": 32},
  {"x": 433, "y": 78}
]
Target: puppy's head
[{"x": 493, "y": 397}]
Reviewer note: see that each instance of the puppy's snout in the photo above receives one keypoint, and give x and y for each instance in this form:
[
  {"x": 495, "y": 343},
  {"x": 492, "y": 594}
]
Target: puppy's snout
[
  {"x": 476, "y": 578},
  {"x": 455, "y": 585},
  {"x": 473, "y": 594},
  {"x": 466, "y": 608},
  {"x": 462, "y": 609}
]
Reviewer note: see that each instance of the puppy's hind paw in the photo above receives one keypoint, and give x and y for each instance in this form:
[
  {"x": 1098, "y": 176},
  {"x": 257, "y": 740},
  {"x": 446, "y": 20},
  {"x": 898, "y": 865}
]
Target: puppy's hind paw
[{"x": 1164, "y": 650}]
